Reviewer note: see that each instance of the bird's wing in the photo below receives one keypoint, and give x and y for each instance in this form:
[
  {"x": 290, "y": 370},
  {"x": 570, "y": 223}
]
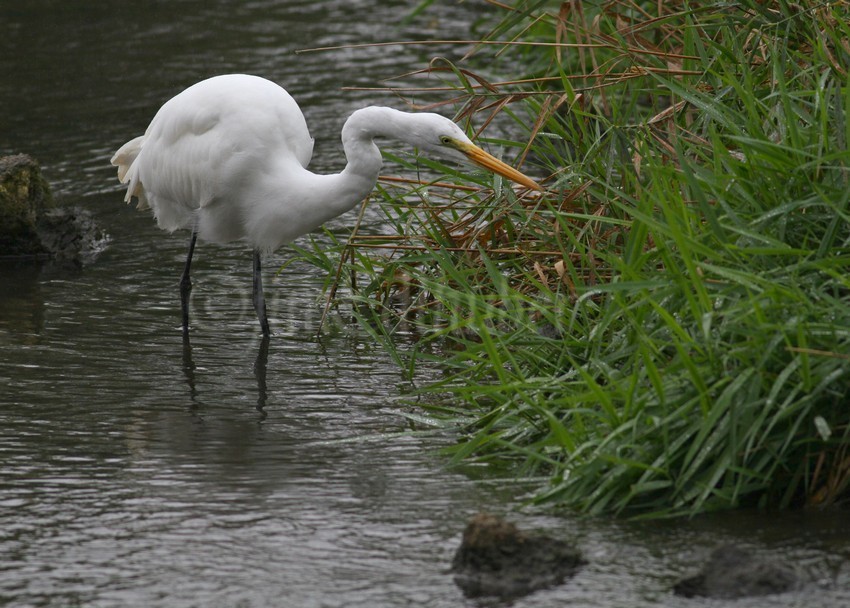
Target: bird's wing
[{"x": 212, "y": 141}]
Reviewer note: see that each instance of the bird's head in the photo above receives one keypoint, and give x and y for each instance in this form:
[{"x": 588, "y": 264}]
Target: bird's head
[{"x": 437, "y": 134}]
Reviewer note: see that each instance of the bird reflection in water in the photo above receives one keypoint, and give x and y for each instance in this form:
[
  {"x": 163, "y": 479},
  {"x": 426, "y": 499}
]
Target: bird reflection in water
[{"x": 260, "y": 366}]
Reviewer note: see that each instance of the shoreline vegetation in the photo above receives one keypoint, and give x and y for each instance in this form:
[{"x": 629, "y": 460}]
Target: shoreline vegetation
[{"x": 666, "y": 331}]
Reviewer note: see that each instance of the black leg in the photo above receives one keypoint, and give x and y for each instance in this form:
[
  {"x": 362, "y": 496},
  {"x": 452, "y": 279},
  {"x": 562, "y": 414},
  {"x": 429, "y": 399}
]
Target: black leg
[
  {"x": 186, "y": 284},
  {"x": 259, "y": 300}
]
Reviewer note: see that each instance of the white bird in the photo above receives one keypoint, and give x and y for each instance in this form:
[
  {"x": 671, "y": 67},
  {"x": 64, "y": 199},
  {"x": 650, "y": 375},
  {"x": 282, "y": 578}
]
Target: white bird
[{"x": 227, "y": 159}]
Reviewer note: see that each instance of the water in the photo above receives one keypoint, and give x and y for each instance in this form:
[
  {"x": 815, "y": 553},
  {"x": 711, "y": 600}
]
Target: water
[{"x": 137, "y": 472}]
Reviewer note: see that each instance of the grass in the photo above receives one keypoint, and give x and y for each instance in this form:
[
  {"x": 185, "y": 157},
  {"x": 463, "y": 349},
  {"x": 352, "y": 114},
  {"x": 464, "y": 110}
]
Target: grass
[{"x": 667, "y": 330}]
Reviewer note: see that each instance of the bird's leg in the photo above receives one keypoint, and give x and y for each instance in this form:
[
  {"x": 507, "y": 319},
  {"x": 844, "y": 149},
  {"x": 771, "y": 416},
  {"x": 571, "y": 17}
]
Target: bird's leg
[
  {"x": 186, "y": 284},
  {"x": 259, "y": 300}
]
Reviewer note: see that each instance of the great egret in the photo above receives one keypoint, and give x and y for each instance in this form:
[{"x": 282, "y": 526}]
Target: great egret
[{"x": 227, "y": 158}]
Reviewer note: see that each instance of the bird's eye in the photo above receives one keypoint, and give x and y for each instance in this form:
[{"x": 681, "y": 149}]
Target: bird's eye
[{"x": 445, "y": 140}]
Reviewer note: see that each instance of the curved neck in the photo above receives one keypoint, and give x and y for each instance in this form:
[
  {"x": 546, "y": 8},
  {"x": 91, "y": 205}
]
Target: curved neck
[
  {"x": 363, "y": 157},
  {"x": 346, "y": 189},
  {"x": 313, "y": 199}
]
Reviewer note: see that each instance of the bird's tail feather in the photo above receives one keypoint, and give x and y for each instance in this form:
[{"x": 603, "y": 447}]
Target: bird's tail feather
[{"x": 125, "y": 160}]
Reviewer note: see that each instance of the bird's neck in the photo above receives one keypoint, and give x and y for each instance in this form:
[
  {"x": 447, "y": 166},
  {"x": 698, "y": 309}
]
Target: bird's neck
[
  {"x": 319, "y": 198},
  {"x": 358, "y": 141},
  {"x": 347, "y": 189}
]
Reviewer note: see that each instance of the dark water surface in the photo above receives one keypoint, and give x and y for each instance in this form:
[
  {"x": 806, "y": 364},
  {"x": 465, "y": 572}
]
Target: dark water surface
[{"x": 137, "y": 472}]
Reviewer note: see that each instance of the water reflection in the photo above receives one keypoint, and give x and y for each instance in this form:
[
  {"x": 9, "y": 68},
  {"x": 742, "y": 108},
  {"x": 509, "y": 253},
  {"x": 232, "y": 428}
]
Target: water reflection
[
  {"x": 189, "y": 369},
  {"x": 21, "y": 301},
  {"x": 260, "y": 365},
  {"x": 260, "y": 369}
]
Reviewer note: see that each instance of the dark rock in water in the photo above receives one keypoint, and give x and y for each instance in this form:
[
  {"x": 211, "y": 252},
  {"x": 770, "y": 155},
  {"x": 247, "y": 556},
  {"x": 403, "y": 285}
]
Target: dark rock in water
[
  {"x": 24, "y": 199},
  {"x": 497, "y": 559},
  {"x": 69, "y": 234},
  {"x": 32, "y": 227},
  {"x": 732, "y": 572}
]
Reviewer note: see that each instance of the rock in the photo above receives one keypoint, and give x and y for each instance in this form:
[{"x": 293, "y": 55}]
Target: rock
[
  {"x": 732, "y": 572},
  {"x": 70, "y": 234},
  {"x": 32, "y": 227},
  {"x": 24, "y": 199},
  {"x": 497, "y": 559}
]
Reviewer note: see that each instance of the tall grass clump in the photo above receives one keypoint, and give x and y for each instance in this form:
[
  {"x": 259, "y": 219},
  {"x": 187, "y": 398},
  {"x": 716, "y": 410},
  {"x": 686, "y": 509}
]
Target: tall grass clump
[{"x": 667, "y": 329}]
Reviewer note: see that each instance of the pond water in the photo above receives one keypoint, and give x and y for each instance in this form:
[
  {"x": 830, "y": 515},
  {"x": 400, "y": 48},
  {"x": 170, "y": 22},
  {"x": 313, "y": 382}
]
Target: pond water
[{"x": 139, "y": 471}]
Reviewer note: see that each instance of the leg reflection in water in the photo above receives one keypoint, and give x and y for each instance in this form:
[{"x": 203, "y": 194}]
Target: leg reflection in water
[
  {"x": 189, "y": 368},
  {"x": 260, "y": 365}
]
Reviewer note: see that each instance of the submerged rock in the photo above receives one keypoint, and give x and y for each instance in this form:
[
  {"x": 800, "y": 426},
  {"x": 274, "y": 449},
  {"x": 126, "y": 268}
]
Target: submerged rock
[
  {"x": 70, "y": 234},
  {"x": 32, "y": 227},
  {"x": 497, "y": 559},
  {"x": 732, "y": 572}
]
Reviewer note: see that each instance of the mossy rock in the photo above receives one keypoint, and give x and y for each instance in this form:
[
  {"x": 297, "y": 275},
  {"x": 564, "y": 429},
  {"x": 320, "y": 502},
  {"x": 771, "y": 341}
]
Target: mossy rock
[
  {"x": 495, "y": 558},
  {"x": 24, "y": 199}
]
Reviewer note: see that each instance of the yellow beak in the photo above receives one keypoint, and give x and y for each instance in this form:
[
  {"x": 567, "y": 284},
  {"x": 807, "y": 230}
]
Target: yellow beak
[{"x": 491, "y": 163}]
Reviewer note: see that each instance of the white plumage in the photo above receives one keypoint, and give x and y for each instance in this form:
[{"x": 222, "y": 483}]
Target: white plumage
[{"x": 227, "y": 159}]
